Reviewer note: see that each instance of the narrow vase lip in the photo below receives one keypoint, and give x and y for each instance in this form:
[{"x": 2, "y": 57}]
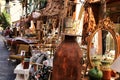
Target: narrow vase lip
[{"x": 66, "y": 34}]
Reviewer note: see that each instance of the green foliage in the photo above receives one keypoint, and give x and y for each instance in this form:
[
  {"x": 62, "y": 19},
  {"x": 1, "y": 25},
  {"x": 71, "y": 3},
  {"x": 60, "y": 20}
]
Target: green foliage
[{"x": 4, "y": 19}]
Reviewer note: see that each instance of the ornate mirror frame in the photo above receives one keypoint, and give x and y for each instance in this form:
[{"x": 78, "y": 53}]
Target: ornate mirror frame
[{"x": 105, "y": 24}]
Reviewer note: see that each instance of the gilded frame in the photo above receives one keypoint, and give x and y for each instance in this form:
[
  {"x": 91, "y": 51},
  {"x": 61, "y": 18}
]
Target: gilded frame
[{"x": 105, "y": 24}]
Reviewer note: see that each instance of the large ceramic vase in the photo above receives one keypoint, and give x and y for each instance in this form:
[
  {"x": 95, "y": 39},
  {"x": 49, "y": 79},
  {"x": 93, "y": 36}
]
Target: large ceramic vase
[{"x": 67, "y": 60}]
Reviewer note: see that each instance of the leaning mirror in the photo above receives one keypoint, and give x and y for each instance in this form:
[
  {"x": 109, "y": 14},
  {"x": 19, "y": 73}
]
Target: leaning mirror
[{"x": 102, "y": 44}]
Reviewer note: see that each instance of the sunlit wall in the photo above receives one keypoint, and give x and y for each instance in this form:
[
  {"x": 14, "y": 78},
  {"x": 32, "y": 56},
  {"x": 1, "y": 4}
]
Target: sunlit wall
[
  {"x": 2, "y": 5},
  {"x": 15, "y": 11}
]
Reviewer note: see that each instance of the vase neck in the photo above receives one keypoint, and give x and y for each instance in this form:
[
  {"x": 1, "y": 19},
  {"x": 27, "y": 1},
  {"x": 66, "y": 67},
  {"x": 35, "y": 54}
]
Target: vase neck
[{"x": 70, "y": 38}]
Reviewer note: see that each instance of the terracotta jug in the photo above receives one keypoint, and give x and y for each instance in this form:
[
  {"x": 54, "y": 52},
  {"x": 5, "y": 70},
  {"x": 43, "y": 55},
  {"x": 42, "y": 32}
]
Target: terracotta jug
[
  {"x": 107, "y": 74},
  {"x": 66, "y": 63}
]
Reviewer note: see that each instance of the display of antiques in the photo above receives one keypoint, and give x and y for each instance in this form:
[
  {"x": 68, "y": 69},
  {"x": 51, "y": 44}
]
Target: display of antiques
[
  {"x": 43, "y": 73},
  {"x": 41, "y": 66}
]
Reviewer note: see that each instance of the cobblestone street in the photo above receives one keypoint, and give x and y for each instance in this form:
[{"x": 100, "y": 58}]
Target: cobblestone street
[{"x": 6, "y": 67}]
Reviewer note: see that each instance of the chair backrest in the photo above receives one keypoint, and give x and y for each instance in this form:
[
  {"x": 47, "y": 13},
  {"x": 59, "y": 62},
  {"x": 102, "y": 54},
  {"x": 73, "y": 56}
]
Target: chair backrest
[{"x": 23, "y": 47}]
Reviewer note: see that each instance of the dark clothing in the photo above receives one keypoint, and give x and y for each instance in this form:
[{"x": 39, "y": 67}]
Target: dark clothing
[{"x": 8, "y": 32}]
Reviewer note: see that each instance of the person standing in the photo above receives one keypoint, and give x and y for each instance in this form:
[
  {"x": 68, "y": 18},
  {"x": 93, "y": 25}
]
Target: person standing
[
  {"x": 93, "y": 50},
  {"x": 8, "y": 32}
]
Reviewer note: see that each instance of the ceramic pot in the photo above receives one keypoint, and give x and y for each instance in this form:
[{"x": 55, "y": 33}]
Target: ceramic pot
[
  {"x": 106, "y": 74},
  {"x": 95, "y": 74},
  {"x": 66, "y": 63}
]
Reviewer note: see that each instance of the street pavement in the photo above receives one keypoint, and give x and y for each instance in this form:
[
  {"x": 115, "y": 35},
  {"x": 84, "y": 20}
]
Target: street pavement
[{"x": 6, "y": 66}]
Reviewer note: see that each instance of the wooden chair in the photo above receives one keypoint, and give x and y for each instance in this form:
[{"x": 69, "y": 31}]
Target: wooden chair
[{"x": 17, "y": 55}]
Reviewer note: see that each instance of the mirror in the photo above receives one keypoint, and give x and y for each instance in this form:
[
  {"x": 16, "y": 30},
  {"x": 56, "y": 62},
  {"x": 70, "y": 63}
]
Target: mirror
[{"x": 102, "y": 43}]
